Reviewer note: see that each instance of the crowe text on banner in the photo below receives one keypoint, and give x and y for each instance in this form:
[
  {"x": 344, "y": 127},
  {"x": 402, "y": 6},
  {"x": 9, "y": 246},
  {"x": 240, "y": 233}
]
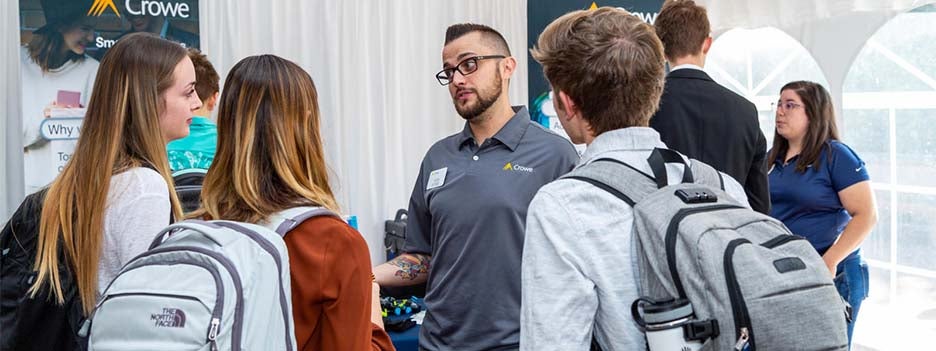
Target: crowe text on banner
[{"x": 539, "y": 14}]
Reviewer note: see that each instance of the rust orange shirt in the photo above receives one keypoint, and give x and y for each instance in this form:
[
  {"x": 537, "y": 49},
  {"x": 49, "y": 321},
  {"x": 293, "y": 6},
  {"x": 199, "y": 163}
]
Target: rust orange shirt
[{"x": 331, "y": 288}]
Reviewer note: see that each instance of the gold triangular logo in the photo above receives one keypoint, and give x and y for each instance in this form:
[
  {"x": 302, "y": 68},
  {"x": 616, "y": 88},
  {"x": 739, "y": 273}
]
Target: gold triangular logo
[
  {"x": 100, "y": 6},
  {"x": 593, "y": 6},
  {"x": 508, "y": 167}
]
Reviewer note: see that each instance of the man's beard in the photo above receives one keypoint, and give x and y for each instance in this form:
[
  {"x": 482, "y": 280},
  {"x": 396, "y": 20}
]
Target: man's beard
[{"x": 471, "y": 112}]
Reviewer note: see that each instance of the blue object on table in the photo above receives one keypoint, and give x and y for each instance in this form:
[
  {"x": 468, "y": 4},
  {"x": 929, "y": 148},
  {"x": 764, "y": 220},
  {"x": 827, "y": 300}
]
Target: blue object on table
[{"x": 407, "y": 340}]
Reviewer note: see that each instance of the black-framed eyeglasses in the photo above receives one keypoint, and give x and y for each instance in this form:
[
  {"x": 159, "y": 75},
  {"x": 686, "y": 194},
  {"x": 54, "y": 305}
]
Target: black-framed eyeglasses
[{"x": 465, "y": 67}]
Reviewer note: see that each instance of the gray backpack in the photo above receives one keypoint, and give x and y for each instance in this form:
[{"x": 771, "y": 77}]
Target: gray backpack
[
  {"x": 751, "y": 283},
  {"x": 211, "y": 285}
]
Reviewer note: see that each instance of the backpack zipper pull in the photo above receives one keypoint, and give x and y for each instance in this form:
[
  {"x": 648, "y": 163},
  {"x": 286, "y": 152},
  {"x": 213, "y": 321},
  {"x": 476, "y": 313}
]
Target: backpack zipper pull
[
  {"x": 85, "y": 328},
  {"x": 213, "y": 331},
  {"x": 742, "y": 341}
]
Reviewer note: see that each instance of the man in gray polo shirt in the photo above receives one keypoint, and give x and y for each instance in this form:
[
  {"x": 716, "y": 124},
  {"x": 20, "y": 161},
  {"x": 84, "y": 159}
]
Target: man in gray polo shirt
[{"x": 465, "y": 228}]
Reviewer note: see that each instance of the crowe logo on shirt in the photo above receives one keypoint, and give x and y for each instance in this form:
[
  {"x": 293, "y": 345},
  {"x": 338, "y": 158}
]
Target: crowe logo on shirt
[{"x": 517, "y": 168}]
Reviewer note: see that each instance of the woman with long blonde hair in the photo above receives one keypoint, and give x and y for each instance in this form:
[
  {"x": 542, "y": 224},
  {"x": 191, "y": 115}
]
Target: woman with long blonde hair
[
  {"x": 270, "y": 159},
  {"x": 116, "y": 192}
]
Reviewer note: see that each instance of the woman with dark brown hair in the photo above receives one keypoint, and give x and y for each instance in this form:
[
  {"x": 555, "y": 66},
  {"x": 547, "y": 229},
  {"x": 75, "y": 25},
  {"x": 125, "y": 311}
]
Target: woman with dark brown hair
[
  {"x": 270, "y": 159},
  {"x": 820, "y": 188}
]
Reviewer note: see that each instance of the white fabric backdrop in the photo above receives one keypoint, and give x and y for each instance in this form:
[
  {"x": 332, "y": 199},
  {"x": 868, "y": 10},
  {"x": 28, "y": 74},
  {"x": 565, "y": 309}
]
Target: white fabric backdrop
[
  {"x": 11, "y": 148},
  {"x": 373, "y": 63}
]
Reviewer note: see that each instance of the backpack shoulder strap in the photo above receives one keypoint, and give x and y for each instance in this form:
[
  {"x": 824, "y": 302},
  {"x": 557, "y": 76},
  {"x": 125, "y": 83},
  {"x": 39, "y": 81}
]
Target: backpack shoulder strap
[
  {"x": 24, "y": 223},
  {"x": 706, "y": 175},
  {"x": 616, "y": 177},
  {"x": 284, "y": 221},
  {"x": 631, "y": 185}
]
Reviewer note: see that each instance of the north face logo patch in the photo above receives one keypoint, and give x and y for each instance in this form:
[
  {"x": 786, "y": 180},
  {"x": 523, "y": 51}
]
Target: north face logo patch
[{"x": 169, "y": 318}]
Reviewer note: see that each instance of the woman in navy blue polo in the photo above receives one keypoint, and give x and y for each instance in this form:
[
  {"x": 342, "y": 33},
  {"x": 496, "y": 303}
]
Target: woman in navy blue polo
[{"x": 820, "y": 189}]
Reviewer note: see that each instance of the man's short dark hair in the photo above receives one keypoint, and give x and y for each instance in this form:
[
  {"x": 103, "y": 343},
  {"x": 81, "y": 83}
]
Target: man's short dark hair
[
  {"x": 490, "y": 36},
  {"x": 206, "y": 78}
]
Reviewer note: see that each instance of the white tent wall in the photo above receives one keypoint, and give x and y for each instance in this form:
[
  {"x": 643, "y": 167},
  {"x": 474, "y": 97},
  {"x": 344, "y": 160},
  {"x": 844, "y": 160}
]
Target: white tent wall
[
  {"x": 11, "y": 149},
  {"x": 373, "y": 63}
]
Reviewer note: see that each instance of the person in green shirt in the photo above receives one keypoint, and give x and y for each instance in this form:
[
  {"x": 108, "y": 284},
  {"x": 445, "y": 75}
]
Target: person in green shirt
[{"x": 198, "y": 149}]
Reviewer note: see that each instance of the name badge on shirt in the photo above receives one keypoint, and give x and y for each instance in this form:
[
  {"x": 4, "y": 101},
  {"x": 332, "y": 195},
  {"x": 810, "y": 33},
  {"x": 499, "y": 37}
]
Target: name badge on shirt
[{"x": 436, "y": 178}]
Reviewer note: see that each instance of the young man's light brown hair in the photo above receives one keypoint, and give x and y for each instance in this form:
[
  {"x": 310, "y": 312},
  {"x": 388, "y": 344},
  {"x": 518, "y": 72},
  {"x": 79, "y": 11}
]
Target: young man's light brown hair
[
  {"x": 207, "y": 81},
  {"x": 682, "y": 27},
  {"x": 609, "y": 62}
]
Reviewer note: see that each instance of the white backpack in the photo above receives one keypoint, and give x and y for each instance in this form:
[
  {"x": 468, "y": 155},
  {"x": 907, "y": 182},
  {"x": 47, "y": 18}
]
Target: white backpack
[{"x": 211, "y": 285}]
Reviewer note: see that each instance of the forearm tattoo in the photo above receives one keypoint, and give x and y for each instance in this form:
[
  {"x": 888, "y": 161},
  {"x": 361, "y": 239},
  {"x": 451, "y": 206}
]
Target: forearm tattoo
[{"x": 410, "y": 266}]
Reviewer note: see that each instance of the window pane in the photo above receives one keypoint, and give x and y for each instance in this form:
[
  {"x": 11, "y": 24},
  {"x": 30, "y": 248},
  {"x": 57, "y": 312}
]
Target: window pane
[
  {"x": 875, "y": 72},
  {"x": 866, "y": 132},
  {"x": 877, "y": 245},
  {"x": 767, "y": 119},
  {"x": 911, "y": 39},
  {"x": 916, "y": 225},
  {"x": 879, "y": 289},
  {"x": 756, "y": 63},
  {"x": 773, "y": 56},
  {"x": 896, "y": 70},
  {"x": 916, "y": 147}
]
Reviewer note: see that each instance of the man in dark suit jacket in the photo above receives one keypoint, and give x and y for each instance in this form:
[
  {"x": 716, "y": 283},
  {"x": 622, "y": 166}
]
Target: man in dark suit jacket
[{"x": 701, "y": 118}]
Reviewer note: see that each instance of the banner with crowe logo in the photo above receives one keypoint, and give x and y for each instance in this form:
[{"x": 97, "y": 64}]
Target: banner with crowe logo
[
  {"x": 542, "y": 12},
  {"x": 62, "y": 42}
]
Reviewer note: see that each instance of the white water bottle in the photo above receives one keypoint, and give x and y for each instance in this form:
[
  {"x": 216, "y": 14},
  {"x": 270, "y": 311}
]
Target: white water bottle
[{"x": 665, "y": 323}]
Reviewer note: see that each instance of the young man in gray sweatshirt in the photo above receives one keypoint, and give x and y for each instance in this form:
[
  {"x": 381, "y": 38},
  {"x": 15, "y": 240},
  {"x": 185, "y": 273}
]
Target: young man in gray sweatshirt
[{"x": 578, "y": 272}]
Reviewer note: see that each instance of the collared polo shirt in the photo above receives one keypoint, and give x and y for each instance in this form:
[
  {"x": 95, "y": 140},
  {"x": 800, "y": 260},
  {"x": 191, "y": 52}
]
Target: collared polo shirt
[
  {"x": 808, "y": 202},
  {"x": 468, "y": 211}
]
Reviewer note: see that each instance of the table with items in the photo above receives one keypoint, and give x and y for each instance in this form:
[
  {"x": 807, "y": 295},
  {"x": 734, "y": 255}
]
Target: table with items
[{"x": 401, "y": 317}]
